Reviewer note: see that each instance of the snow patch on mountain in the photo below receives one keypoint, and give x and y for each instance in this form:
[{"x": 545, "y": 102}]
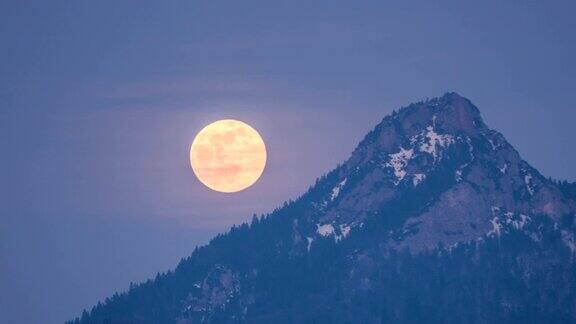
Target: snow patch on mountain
[
  {"x": 517, "y": 223},
  {"x": 458, "y": 175},
  {"x": 504, "y": 221},
  {"x": 399, "y": 161},
  {"x": 494, "y": 146},
  {"x": 418, "y": 178},
  {"x": 340, "y": 232},
  {"x": 434, "y": 141},
  {"x": 336, "y": 190},
  {"x": 459, "y": 172},
  {"x": 568, "y": 239},
  {"x": 496, "y": 227},
  {"x": 310, "y": 240},
  {"x": 325, "y": 229},
  {"x": 344, "y": 230},
  {"x": 529, "y": 185}
]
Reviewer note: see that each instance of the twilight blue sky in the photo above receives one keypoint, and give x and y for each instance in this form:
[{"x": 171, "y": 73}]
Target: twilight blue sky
[{"x": 100, "y": 100}]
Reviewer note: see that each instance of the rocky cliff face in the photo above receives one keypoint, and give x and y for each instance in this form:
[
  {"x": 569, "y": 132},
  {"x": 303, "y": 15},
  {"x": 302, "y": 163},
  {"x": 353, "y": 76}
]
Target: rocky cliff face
[
  {"x": 441, "y": 149},
  {"x": 432, "y": 208}
]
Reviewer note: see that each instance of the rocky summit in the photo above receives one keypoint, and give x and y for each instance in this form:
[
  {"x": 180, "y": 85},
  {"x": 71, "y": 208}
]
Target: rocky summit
[{"x": 435, "y": 217}]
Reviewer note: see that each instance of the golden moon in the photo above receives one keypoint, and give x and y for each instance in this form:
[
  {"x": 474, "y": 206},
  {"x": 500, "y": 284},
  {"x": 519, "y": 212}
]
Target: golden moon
[{"x": 228, "y": 155}]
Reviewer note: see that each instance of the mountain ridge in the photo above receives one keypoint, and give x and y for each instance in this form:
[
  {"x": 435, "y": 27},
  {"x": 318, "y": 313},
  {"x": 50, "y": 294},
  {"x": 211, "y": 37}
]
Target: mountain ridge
[{"x": 430, "y": 181}]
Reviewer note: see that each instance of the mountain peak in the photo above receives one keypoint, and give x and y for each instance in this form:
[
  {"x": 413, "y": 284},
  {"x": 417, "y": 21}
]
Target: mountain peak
[
  {"x": 450, "y": 114},
  {"x": 421, "y": 159},
  {"x": 451, "y": 111}
]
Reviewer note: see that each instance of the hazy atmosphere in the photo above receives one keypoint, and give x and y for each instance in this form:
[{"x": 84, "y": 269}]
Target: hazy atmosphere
[{"x": 100, "y": 101}]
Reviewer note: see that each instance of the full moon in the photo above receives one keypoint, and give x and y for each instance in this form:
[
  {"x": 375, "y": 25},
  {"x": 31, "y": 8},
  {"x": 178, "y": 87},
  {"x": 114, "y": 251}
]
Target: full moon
[{"x": 228, "y": 155}]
